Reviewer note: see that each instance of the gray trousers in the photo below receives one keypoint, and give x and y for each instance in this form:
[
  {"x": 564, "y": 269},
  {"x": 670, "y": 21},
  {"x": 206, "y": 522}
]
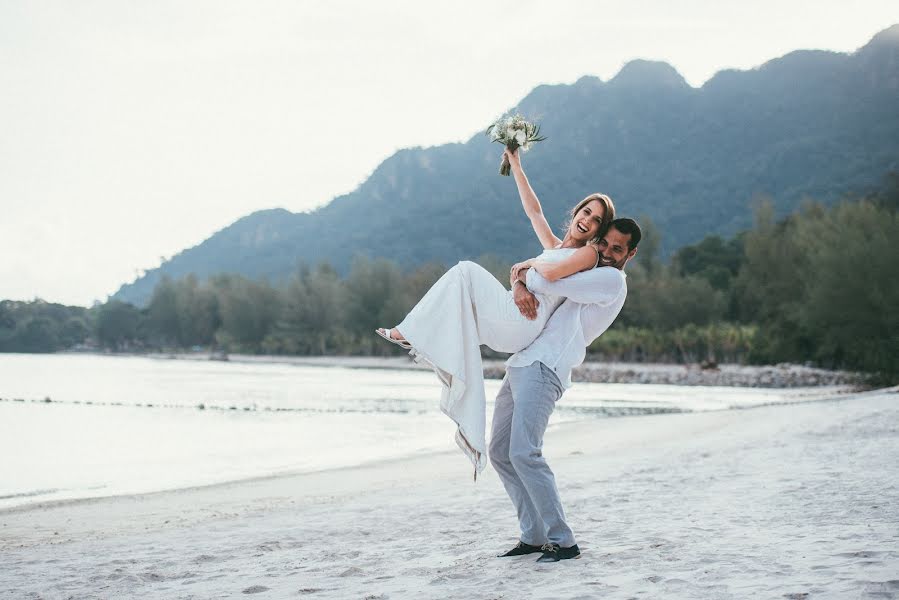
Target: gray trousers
[{"x": 523, "y": 406}]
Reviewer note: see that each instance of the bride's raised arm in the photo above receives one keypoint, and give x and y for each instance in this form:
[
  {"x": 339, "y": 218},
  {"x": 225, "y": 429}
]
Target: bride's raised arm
[{"x": 531, "y": 204}]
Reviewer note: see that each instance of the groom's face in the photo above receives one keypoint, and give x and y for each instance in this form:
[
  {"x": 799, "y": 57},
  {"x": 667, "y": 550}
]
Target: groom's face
[{"x": 613, "y": 250}]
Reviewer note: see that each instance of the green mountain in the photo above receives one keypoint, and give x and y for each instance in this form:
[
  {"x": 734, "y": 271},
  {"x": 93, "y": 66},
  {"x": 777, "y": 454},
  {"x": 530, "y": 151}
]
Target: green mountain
[{"x": 811, "y": 124}]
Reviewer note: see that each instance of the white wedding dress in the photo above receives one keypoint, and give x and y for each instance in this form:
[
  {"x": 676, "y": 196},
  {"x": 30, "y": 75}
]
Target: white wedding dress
[{"x": 464, "y": 309}]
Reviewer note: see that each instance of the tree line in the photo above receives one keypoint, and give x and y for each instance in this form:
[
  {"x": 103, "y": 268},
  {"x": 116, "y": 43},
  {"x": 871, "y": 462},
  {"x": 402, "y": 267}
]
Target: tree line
[{"x": 819, "y": 286}]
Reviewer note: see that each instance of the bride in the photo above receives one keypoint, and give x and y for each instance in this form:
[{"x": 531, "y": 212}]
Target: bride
[{"x": 468, "y": 307}]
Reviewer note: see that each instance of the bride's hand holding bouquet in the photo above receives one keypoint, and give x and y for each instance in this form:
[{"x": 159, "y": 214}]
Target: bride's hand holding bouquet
[
  {"x": 513, "y": 132},
  {"x": 512, "y": 158}
]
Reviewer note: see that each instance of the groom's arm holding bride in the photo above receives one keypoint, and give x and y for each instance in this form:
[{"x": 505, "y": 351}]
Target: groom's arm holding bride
[
  {"x": 601, "y": 285},
  {"x": 587, "y": 286},
  {"x": 597, "y": 286},
  {"x": 580, "y": 262}
]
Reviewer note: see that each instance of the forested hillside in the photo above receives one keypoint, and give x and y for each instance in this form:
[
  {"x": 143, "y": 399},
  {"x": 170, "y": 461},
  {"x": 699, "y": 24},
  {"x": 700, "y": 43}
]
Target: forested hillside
[
  {"x": 809, "y": 124},
  {"x": 817, "y": 286}
]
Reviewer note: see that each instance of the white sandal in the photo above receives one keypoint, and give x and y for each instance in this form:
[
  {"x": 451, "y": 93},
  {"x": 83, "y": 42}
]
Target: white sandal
[{"x": 385, "y": 333}]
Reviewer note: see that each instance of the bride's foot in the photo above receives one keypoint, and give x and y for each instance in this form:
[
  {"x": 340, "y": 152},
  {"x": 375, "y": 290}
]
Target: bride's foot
[{"x": 393, "y": 336}]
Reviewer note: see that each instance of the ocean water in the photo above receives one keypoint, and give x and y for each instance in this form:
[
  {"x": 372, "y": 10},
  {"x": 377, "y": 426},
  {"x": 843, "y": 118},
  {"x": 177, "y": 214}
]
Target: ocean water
[{"x": 124, "y": 425}]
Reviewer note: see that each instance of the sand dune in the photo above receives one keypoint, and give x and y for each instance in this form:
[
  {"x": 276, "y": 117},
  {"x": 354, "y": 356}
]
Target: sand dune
[{"x": 792, "y": 501}]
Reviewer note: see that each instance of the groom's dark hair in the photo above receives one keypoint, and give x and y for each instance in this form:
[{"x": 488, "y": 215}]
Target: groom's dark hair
[{"x": 628, "y": 227}]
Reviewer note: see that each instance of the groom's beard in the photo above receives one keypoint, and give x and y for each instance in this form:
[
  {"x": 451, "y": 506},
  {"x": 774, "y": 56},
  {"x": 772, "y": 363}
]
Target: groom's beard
[{"x": 618, "y": 265}]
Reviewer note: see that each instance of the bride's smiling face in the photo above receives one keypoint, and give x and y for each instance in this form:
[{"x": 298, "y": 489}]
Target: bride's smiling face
[{"x": 587, "y": 222}]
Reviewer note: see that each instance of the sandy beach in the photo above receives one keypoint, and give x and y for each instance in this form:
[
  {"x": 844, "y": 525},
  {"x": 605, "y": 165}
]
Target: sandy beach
[{"x": 790, "y": 501}]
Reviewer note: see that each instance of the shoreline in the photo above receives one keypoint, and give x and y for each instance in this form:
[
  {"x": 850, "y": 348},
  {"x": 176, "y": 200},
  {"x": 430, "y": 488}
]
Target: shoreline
[
  {"x": 789, "y": 501},
  {"x": 221, "y": 485},
  {"x": 395, "y": 460},
  {"x": 783, "y": 375},
  {"x": 209, "y": 404}
]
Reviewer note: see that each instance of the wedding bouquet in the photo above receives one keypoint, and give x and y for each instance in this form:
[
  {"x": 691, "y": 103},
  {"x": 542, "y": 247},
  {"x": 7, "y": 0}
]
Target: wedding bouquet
[{"x": 514, "y": 132}]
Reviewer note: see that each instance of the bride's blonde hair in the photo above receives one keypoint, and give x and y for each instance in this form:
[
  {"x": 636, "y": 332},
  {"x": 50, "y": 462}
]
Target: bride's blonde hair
[{"x": 608, "y": 213}]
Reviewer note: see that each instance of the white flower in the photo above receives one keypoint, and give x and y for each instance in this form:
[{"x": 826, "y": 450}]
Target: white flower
[{"x": 514, "y": 131}]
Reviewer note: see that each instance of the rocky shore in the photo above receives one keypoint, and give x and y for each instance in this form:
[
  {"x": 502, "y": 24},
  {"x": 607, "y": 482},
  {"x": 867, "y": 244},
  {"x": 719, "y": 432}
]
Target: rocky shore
[{"x": 770, "y": 376}]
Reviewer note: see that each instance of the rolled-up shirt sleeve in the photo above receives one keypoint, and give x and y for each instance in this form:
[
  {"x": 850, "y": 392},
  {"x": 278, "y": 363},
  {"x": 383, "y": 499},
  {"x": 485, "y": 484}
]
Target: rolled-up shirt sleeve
[{"x": 596, "y": 286}]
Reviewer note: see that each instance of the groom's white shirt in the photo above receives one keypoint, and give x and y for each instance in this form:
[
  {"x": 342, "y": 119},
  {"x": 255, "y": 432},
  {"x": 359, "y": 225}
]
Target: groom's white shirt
[{"x": 592, "y": 301}]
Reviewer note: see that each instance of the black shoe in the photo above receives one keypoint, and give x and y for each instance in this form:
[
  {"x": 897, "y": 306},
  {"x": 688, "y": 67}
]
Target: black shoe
[
  {"x": 555, "y": 553},
  {"x": 520, "y": 549}
]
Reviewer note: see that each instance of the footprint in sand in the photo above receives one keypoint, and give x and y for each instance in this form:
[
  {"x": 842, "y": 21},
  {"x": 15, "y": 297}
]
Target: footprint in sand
[
  {"x": 860, "y": 554},
  {"x": 884, "y": 589},
  {"x": 269, "y": 546},
  {"x": 204, "y": 558},
  {"x": 255, "y": 589}
]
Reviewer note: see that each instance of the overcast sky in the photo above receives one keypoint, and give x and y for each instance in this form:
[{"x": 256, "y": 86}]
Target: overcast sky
[{"x": 133, "y": 130}]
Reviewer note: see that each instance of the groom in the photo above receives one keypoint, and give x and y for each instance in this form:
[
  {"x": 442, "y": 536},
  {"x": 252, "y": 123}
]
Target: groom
[{"x": 537, "y": 376}]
